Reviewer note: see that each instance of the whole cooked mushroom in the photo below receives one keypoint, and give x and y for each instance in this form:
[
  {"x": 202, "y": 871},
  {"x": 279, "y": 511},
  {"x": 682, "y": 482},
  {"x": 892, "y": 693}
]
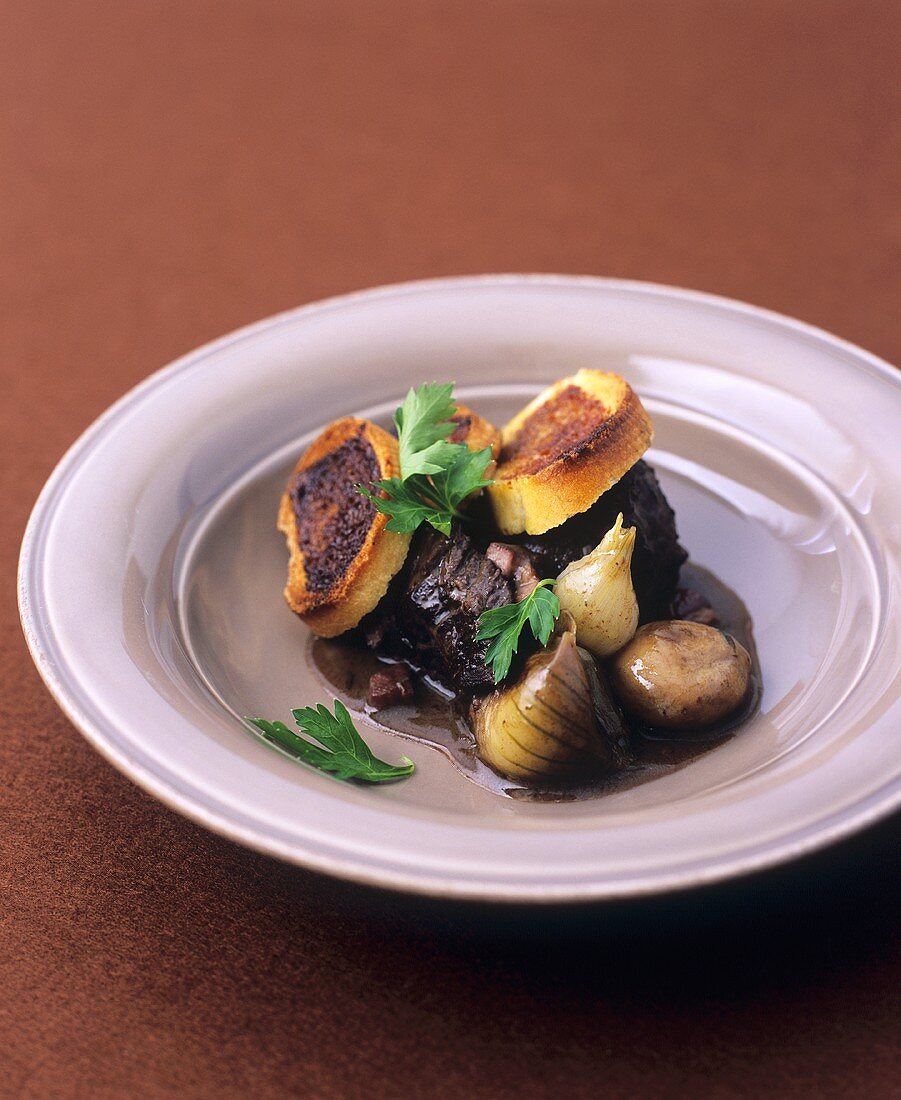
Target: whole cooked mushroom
[{"x": 681, "y": 675}]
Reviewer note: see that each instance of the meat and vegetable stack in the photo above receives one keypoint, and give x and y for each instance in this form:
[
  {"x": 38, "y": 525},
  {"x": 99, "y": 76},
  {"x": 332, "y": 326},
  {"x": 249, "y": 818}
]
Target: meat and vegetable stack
[{"x": 514, "y": 569}]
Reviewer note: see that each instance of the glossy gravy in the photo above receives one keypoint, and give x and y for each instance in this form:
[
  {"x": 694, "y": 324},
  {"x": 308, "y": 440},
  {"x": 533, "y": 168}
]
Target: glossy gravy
[{"x": 436, "y": 718}]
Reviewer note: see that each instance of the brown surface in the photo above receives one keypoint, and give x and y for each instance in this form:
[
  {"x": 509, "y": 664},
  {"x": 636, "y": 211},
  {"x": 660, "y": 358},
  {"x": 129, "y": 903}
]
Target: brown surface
[
  {"x": 171, "y": 170},
  {"x": 565, "y": 449}
]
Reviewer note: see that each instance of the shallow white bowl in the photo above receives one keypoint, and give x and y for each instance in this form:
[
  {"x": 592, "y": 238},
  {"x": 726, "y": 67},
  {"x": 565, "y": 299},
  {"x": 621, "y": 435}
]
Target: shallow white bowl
[{"x": 151, "y": 575}]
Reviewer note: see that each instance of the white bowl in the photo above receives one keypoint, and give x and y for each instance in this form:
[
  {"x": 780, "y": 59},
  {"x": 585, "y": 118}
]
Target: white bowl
[{"x": 151, "y": 576}]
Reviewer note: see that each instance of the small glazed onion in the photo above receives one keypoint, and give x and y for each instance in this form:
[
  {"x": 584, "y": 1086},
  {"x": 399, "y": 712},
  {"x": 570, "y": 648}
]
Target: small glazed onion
[
  {"x": 681, "y": 675},
  {"x": 558, "y": 720},
  {"x": 597, "y": 591}
]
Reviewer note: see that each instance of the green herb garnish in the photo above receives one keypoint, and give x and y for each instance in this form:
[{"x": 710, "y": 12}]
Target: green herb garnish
[
  {"x": 505, "y": 624},
  {"x": 423, "y": 423},
  {"x": 345, "y": 755},
  {"x": 436, "y": 476}
]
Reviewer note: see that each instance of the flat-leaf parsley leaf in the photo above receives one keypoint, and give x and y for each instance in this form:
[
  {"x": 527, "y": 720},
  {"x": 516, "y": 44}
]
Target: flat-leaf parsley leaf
[
  {"x": 345, "y": 754},
  {"x": 504, "y": 625},
  {"x": 436, "y": 475},
  {"x": 423, "y": 423}
]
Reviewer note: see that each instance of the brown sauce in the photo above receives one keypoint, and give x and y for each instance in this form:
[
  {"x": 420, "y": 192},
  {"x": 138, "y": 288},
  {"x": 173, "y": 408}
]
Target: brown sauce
[{"x": 435, "y": 718}]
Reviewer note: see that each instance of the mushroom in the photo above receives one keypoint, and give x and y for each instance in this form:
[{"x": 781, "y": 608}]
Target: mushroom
[
  {"x": 558, "y": 720},
  {"x": 681, "y": 675}
]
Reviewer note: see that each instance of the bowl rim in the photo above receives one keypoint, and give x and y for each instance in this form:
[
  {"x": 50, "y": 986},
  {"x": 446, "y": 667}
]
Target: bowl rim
[{"x": 37, "y": 628}]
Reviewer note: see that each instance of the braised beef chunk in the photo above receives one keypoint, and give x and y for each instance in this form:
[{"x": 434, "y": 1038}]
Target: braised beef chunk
[
  {"x": 389, "y": 686},
  {"x": 433, "y": 622},
  {"x": 658, "y": 554}
]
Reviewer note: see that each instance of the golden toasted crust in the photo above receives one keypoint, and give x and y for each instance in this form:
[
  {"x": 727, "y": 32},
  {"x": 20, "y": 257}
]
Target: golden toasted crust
[
  {"x": 477, "y": 433},
  {"x": 569, "y": 445},
  {"x": 343, "y": 559}
]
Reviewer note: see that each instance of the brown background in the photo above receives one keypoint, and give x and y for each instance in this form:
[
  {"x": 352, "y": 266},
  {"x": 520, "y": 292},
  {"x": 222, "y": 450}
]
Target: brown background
[{"x": 172, "y": 170}]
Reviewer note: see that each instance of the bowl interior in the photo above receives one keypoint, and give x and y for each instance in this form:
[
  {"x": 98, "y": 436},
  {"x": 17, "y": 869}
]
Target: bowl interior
[{"x": 768, "y": 529}]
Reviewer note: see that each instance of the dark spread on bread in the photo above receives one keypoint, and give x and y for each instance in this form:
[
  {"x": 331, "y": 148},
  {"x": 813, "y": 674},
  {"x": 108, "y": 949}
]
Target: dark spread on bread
[
  {"x": 559, "y": 425},
  {"x": 332, "y": 518},
  {"x": 461, "y": 432}
]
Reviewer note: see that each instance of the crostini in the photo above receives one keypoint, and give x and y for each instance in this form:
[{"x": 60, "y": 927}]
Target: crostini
[
  {"x": 566, "y": 448},
  {"x": 342, "y": 557}
]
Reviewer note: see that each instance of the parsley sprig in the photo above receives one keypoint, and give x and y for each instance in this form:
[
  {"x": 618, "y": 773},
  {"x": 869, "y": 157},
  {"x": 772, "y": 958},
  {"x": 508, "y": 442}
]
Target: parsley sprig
[
  {"x": 504, "y": 625},
  {"x": 436, "y": 475},
  {"x": 345, "y": 754},
  {"x": 423, "y": 423}
]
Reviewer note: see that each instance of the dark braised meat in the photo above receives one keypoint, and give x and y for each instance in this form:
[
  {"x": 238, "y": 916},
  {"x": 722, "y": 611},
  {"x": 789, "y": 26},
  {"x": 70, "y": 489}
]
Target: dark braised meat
[
  {"x": 434, "y": 615},
  {"x": 516, "y": 563},
  {"x": 658, "y": 553},
  {"x": 691, "y": 605},
  {"x": 389, "y": 686}
]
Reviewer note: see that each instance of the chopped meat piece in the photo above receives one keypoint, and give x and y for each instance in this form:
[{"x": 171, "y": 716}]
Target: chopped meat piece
[
  {"x": 658, "y": 554},
  {"x": 448, "y": 583},
  {"x": 389, "y": 686},
  {"x": 525, "y": 577},
  {"x": 503, "y": 555},
  {"x": 514, "y": 562},
  {"x": 690, "y": 604}
]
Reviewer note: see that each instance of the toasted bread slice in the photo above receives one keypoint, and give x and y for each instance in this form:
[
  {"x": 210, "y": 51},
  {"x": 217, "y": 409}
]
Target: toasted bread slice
[
  {"x": 565, "y": 448},
  {"x": 342, "y": 558},
  {"x": 477, "y": 433}
]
